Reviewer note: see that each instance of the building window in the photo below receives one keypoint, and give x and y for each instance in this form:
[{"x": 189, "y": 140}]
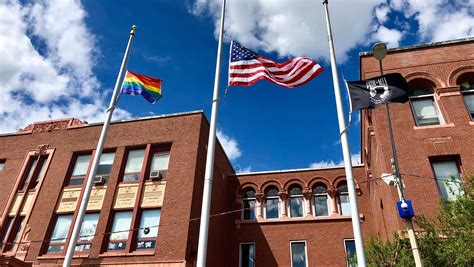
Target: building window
[
  {"x": 467, "y": 90},
  {"x": 424, "y": 106},
  {"x": 298, "y": 254},
  {"x": 2, "y": 164},
  {"x": 321, "y": 200},
  {"x": 33, "y": 174},
  {"x": 272, "y": 203},
  {"x": 247, "y": 255},
  {"x": 149, "y": 222},
  {"x": 60, "y": 233},
  {"x": 248, "y": 204},
  {"x": 349, "y": 246},
  {"x": 448, "y": 178},
  {"x": 296, "y": 201},
  {"x": 120, "y": 230},
  {"x": 11, "y": 235},
  {"x": 343, "y": 199},
  {"x": 87, "y": 232},
  {"x": 79, "y": 171},
  {"x": 105, "y": 167},
  {"x": 159, "y": 165},
  {"x": 133, "y": 166}
]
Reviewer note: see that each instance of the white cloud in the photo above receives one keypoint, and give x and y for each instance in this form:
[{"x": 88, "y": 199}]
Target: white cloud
[
  {"x": 298, "y": 27},
  {"x": 439, "y": 20},
  {"x": 230, "y": 145},
  {"x": 381, "y": 13},
  {"x": 390, "y": 36},
  {"x": 293, "y": 27},
  {"x": 355, "y": 158},
  {"x": 47, "y": 63}
]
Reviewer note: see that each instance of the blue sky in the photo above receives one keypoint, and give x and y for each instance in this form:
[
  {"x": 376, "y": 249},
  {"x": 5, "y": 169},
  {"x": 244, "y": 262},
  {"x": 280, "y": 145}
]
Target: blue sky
[{"x": 61, "y": 59}]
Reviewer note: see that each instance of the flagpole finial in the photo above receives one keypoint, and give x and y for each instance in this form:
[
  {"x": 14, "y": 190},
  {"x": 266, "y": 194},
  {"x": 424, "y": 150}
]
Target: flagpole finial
[{"x": 134, "y": 28}]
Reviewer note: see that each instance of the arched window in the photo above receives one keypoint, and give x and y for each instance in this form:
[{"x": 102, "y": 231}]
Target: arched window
[
  {"x": 466, "y": 85},
  {"x": 272, "y": 199},
  {"x": 296, "y": 201},
  {"x": 423, "y": 104},
  {"x": 321, "y": 200},
  {"x": 248, "y": 204},
  {"x": 343, "y": 199}
]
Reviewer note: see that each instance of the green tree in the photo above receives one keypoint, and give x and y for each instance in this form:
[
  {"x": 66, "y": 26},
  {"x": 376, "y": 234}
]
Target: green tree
[{"x": 447, "y": 240}]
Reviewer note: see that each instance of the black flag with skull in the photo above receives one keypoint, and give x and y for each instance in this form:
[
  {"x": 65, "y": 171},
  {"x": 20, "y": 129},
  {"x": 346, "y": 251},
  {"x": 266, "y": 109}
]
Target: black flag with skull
[{"x": 368, "y": 94}]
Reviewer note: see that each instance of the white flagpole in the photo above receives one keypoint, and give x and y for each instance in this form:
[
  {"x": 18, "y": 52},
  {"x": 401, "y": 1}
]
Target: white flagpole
[
  {"x": 211, "y": 144},
  {"x": 95, "y": 163},
  {"x": 345, "y": 148}
]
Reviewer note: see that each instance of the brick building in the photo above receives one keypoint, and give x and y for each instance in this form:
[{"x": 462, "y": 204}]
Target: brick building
[{"x": 275, "y": 218}]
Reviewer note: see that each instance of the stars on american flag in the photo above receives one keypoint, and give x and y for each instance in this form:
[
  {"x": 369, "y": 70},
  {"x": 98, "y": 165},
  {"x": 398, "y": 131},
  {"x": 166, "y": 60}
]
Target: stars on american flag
[{"x": 241, "y": 53}]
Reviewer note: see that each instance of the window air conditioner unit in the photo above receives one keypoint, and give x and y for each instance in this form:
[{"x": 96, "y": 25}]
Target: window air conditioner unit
[
  {"x": 99, "y": 179},
  {"x": 156, "y": 175}
]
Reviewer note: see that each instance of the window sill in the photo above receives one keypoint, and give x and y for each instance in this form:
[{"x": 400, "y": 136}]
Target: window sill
[
  {"x": 311, "y": 218},
  {"x": 471, "y": 122},
  {"x": 125, "y": 254},
  {"x": 61, "y": 256},
  {"x": 449, "y": 125}
]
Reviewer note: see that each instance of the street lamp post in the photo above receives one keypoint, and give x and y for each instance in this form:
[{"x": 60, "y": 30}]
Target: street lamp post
[{"x": 379, "y": 51}]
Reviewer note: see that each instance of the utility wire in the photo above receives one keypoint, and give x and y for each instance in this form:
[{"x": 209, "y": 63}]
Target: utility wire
[{"x": 211, "y": 216}]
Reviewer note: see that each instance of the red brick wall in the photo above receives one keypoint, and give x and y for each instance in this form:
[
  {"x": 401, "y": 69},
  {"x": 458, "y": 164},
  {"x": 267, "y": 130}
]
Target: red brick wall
[
  {"x": 182, "y": 131},
  {"x": 415, "y": 145},
  {"x": 324, "y": 237}
]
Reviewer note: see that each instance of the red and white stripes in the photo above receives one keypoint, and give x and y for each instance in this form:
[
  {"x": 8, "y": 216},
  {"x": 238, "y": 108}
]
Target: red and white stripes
[{"x": 289, "y": 74}]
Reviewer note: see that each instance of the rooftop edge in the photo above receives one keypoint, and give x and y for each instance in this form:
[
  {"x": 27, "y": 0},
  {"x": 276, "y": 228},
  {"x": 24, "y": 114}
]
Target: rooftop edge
[{"x": 420, "y": 46}]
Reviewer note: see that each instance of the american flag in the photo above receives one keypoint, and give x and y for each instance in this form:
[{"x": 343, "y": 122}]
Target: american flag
[{"x": 247, "y": 68}]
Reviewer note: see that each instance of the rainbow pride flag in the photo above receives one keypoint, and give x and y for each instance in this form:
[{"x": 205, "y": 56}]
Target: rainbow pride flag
[{"x": 136, "y": 84}]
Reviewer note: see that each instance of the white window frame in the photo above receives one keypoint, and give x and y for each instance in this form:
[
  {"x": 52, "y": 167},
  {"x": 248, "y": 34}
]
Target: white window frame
[
  {"x": 339, "y": 203},
  {"x": 243, "y": 206},
  {"x": 345, "y": 250},
  {"x": 436, "y": 106},
  {"x": 328, "y": 200},
  {"x": 288, "y": 207},
  {"x": 240, "y": 252},
  {"x": 437, "y": 181},
  {"x": 305, "y": 251}
]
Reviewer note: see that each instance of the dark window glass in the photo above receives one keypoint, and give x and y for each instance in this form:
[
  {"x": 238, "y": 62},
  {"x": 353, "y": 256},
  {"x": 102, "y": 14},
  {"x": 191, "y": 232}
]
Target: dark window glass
[
  {"x": 321, "y": 203},
  {"x": 247, "y": 255},
  {"x": 2, "y": 164},
  {"x": 272, "y": 201},
  {"x": 350, "y": 253},
  {"x": 30, "y": 171},
  {"x": 298, "y": 254},
  {"x": 248, "y": 202},
  {"x": 296, "y": 202}
]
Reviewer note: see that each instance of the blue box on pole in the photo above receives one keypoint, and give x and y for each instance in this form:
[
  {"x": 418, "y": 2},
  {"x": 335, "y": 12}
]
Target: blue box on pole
[{"x": 408, "y": 211}]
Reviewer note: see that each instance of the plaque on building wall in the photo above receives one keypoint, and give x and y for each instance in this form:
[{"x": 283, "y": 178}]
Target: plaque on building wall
[
  {"x": 28, "y": 203},
  {"x": 126, "y": 196},
  {"x": 16, "y": 204},
  {"x": 69, "y": 199},
  {"x": 96, "y": 198},
  {"x": 153, "y": 195}
]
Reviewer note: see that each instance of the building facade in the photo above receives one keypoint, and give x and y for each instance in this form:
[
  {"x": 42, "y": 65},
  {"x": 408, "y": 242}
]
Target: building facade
[{"x": 145, "y": 205}]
